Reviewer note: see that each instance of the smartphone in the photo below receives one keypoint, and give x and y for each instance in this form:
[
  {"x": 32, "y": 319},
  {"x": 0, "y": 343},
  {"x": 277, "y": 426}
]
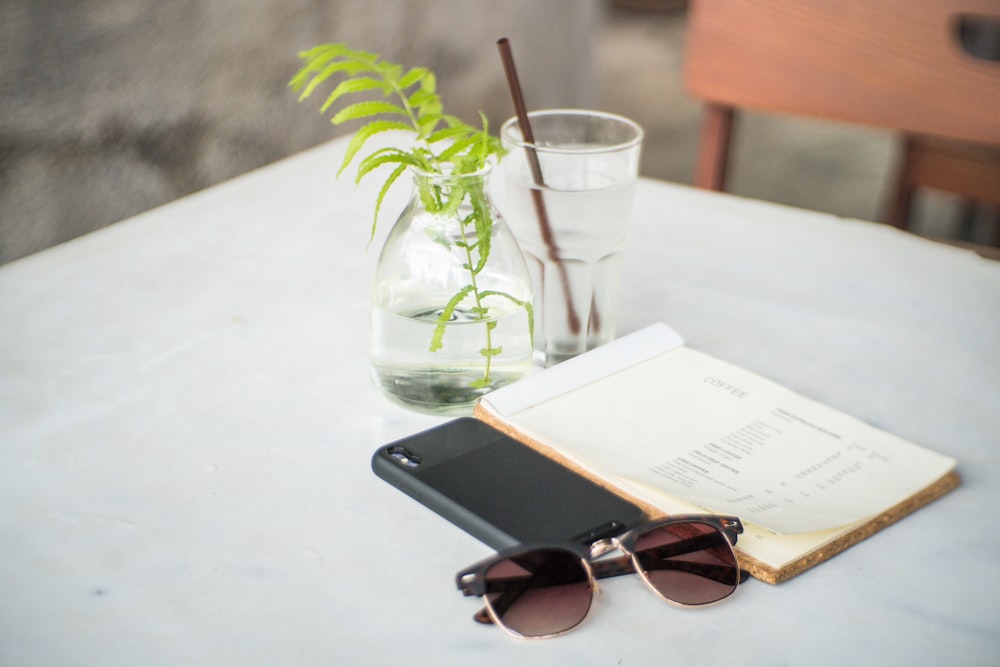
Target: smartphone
[{"x": 499, "y": 490}]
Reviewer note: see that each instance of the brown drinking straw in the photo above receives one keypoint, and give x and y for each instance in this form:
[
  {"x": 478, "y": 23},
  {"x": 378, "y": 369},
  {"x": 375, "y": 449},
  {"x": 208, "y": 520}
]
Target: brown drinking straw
[{"x": 536, "y": 173}]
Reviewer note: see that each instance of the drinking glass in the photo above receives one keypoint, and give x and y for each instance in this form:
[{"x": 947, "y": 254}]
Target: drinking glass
[{"x": 568, "y": 199}]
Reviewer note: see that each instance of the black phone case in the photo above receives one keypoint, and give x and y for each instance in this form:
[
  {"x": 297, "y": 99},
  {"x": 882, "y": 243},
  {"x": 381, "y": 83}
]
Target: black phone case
[{"x": 499, "y": 490}]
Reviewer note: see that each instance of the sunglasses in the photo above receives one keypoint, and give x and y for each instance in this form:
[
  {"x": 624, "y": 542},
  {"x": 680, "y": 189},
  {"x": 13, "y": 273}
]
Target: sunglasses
[{"x": 544, "y": 591}]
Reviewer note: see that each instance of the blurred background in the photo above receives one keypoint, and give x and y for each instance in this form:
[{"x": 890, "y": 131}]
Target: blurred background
[{"x": 111, "y": 107}]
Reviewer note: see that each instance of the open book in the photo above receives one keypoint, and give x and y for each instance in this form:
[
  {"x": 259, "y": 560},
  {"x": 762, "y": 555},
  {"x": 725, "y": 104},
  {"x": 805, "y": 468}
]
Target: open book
[{"x": 677, "y": 430}]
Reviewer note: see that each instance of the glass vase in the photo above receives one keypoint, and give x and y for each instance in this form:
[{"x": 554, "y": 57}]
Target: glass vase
[{"x": 451, "y": 315}]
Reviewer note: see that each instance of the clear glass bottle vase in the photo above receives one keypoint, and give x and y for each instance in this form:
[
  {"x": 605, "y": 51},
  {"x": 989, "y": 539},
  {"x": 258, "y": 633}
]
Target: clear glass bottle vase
[{"x": 451, "y": 315}]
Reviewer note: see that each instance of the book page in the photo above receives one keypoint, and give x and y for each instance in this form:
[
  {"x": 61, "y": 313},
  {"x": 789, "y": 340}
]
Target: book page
[
  {"x": 761, "y": 543},
  {"x": 730, "y": 441}
]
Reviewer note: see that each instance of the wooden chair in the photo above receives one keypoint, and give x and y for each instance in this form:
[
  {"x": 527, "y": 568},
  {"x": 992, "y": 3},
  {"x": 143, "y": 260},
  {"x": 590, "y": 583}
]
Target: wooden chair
[{"x": 898, "y": 64}]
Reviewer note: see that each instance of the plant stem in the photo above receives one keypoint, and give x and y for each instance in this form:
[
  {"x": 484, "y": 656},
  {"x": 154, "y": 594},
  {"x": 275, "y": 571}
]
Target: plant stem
[{"x": 480, "y": 311}]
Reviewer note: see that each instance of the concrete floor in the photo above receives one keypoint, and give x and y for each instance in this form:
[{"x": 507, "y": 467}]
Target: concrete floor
[{"x": 833, "y": 167}]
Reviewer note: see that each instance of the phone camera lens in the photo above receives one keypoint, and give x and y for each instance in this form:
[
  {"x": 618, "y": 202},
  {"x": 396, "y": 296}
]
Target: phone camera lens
[{"x": 404, "y": 457}]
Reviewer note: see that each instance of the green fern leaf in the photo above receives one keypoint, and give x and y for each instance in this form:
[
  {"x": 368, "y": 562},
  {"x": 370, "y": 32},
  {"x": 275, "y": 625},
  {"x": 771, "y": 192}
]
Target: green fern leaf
[
  {"x": 315, "y": 59},
  {"x": 364, "y": 134},
  {"x": 385, "y": 156},
  {"x": 366, "y": 110},
  {"x": 324, "y": 74},
  {"x": 453, "y": 121},
  {"x": 336, "y": 50},
  {"x": 413, "y": 76},
  {"x": 428, "y": 121},
  {"x": 446, "y": 133},
  {"x": 528, "y": 308},
  {"x": 303, "y": 75},
  {"x": 430, "y": 110},
  {"x": 421, "y": 98},
  {"x": 355, "y": 85},
  {"x": 319, "y": 50},
  {"x": 425, "y": 160},
  {"x": 456, "y": 148},
  {"x": 483, "y": 144},
  {"x": 437, "y": 340},
  {"x": 393, "y": 177},
  {"x": 456, "y": 195},
  {"x": 484, "y": 227},
  {"x": 391, "y": 72},
  {"x": 350, "y": 66},
  {"x": 429, "y": 82}
]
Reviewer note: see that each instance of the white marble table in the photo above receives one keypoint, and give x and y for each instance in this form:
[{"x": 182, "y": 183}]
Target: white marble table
[{"x": 186, "y": 423}]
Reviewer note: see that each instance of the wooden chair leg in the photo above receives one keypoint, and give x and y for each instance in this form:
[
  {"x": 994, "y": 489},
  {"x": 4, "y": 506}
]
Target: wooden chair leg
[
  {"x": 713, "y": 147},
  {"x": 902, "y": 196},
  {"x": 899, "y": 213}
]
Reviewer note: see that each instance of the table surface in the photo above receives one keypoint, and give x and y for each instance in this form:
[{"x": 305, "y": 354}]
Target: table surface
[{"x": 187, "y": 424}]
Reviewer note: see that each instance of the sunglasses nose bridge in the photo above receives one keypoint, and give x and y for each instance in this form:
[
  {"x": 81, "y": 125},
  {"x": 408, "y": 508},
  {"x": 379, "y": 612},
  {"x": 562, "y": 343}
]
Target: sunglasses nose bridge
[{"x": 603, "y": 546}]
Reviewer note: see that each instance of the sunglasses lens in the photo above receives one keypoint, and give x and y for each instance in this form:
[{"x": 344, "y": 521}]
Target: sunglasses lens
[
  {"x": 691, "y": 563},
  {"x": 539, "y": 593}
]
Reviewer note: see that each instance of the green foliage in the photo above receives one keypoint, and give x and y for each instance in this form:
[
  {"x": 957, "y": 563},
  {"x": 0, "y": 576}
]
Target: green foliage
[
  {"x": 443, "y": 145},
  {"x": 443, "y": 141}
]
